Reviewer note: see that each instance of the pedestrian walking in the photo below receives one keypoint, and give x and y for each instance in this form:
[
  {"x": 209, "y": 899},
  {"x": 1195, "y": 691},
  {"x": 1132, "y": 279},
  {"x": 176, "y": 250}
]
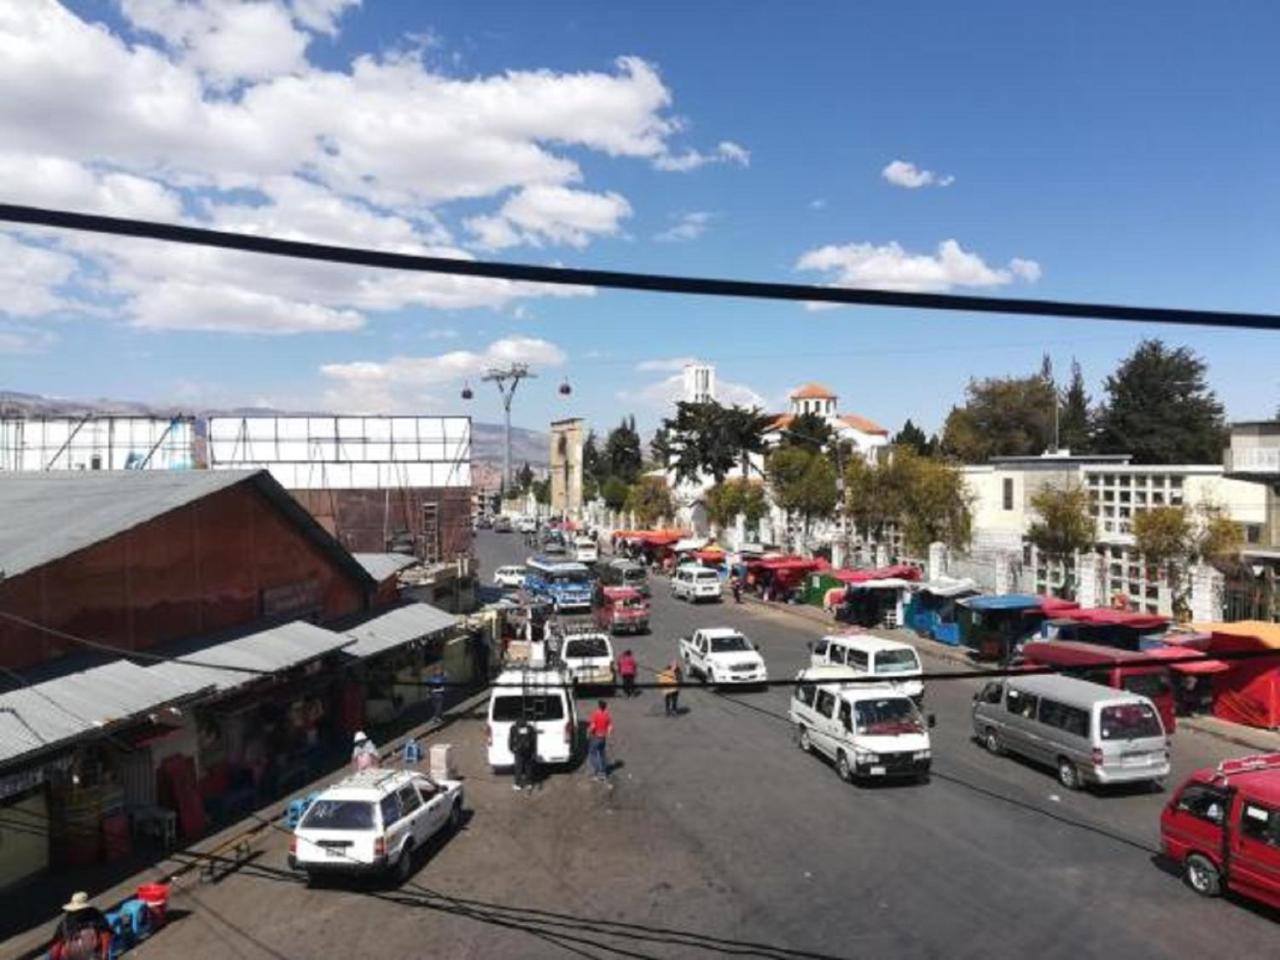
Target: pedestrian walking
[
  {"x": 522, "y": 741},
  {"x": 436, "y": 683},
  {"x": 627, "y": 668},
  {"x": 736, "y": 586},
  {"x": 363, "y": 753},
  {"x": 599, "y": 729},
  {"x": 671, "y": 679}
]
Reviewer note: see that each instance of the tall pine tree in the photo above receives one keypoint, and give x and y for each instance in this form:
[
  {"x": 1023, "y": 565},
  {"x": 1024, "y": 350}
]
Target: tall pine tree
[{"x": 1075, "y": 427}]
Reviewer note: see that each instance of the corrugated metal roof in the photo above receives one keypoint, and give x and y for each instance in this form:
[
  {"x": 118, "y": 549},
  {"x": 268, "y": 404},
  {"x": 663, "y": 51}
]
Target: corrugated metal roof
[
  {"x": 279, "y": 648},
  {"x": 398, "y": 626},
  {"x": 52, "y": 514},
  {"x": 45, "y": 714},
  {"x": 383, "y": 566}
]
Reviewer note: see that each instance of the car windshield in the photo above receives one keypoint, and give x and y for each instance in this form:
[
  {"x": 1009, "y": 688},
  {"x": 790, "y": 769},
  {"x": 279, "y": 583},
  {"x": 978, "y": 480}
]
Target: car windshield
[
  {"x": 897, "y": 661},
  {"x": 570, "y": 577},
  {"x": 731, "y": 644},
  {"x": 586, "y": 647},
  {"x": 339, "y": 815},
  {"x": 632, "y": 603},
  {"x": 707, "y": 576},
  {"x": 887, "y": 717},
  {"x": 634, "y": 575},
  {"x": 1130, "y": 721},
  {"x": 507, "y": 709},
  {"x": 1153, "y": 684}
]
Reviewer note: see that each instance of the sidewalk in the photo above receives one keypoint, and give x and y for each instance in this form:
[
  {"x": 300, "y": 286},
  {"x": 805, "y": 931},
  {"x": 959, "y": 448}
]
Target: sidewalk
[
  {"x": 182, "y": 868},
  {"x": 1251, "y": 738}
]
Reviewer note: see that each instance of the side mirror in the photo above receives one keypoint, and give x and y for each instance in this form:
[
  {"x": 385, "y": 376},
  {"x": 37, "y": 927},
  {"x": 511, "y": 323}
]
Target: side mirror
[{"x": 932, "y": 720}]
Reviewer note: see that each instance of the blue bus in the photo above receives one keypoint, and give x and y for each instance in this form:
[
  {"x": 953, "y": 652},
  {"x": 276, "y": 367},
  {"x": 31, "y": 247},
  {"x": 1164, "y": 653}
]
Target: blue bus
[{"x": 566, "y": 584}]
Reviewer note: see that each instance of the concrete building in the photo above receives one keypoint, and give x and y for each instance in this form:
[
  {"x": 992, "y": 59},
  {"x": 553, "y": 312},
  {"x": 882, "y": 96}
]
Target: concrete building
[
  {"x": 1002, "y": 491},
  {"x": 567, "y": 440},
  {"x": 864, "y": 435}
]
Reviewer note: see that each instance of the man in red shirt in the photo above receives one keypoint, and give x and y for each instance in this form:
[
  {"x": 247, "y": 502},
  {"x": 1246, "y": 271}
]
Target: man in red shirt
[
  {"x": 627, "y": 668},
  {"x": 599, "y": 728}
]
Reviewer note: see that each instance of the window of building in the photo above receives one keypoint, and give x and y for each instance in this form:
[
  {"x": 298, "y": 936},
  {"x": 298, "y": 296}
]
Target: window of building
[
  {"x": 1124, "y": 480},
  {"x": 1093, "y": 479},
  {"x": 1157, "y": 499},
  {"x": 1008, "y": 493},
  {"x": 1252, "y": 533},
  {"x": 1124, "y": 496},
  {"x": 1109, "y": 496},
  {"x": 1175, "y": 483}
]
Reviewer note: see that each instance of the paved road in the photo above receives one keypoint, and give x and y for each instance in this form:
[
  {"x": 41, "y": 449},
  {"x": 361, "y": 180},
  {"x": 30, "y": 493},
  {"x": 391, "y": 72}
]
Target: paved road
[{"x": 717, "y": 825}]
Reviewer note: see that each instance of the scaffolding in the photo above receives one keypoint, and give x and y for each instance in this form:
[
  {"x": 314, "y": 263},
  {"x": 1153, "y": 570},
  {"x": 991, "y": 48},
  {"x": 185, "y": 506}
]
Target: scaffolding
[{"x": 97, "y": 442}]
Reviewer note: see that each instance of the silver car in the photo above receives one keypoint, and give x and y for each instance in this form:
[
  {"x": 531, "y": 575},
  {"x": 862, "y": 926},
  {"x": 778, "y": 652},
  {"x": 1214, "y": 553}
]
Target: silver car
[{"x": 1087, "y": 732}]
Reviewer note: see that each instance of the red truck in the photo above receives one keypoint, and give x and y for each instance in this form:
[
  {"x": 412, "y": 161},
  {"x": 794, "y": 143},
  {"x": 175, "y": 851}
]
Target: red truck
[
  {"x": 1223, "y": 828},
  {"x": 621, "y": 610}
]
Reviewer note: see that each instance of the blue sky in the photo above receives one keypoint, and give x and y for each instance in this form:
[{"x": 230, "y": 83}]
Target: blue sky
[{"x": 1109, "y": 152}]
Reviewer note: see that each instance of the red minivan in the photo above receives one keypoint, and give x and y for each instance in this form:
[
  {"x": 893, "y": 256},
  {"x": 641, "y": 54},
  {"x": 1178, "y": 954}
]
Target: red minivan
[
  {"x": 621, "y": 610},
  {"x": 1128, "y": 670},
  {"x": 1223, "y": 828}
]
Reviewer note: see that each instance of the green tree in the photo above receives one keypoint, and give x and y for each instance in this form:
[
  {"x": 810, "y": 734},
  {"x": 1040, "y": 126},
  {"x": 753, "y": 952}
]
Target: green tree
[
  {"x": 875, "y": 494},
  {"x": 804, "y": 483},
  {"x": 701, "y": 441},
  {"x": 1063, "y": 526},
  {"x": 542, "y": 490},
  {"x": 650, "y": 500},
  {"x": 1075, "y": 425},
  {"x": 524, "y": 478},
  {"x": 914, "y": 438},
  {"x": 1001, "y": 417},
  {"x": 923, "y": 496},
  {"x": 661, "y": 449},
  {"x": 727, "y": 500},
  {"x": 746, "y": 427},
  {"x": 1160, "y": 408},
  {"x": 1173, "y": 538},
  {"x": 594, "y": 468},
  {"x": 809, "y": 431},
  {"x": 615, "y": 493},
  {"x": 622, "y": 454}
]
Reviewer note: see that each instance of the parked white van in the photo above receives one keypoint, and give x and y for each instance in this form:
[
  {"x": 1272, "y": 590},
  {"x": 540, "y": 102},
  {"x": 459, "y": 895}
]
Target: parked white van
[
  {"x": 693, "y": 582},
  {"x": 867, "y": 730},
  {"x": 586, "y": 550},
  {"x": 896, "y": 663},
  {"x": 1087, "y": 732},
  {"x": 546, "y": 698}
]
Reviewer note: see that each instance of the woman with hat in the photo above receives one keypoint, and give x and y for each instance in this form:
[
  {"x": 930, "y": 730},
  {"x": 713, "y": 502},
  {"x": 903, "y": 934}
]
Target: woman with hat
[
  {"x": 363, "y": 753},
  {"x": 81, "y": 930}
]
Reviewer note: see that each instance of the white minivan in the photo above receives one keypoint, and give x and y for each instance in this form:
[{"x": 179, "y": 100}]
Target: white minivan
[
  {"x": 585, "y": 550},
  {"x": 694, "y": 583},
  {"x": 896, "y": 663},
  {"x": 869, "y": 731},
  {"x": 546, "y": 698}
]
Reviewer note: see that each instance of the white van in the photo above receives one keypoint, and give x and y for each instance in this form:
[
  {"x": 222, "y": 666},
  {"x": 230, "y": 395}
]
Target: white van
[
  {"x": 868, "y": 731},
  {"x": 1087, "y": 732},
  {"x": 585, "y": 550},
  {"x": 868, "y": 655},
  {"x": 546, "y": 698},
  {"x": 693, "y": 583}
]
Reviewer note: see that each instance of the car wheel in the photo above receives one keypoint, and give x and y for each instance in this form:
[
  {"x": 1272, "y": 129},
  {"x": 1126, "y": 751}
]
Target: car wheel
[
  {"x": 843, "y": 770},
  {"x": 1068, "y": 775},
  {"x": 1203, "y": 876},
  {"x": 991, "y": 740},
  {"x": 803, "y": 741},
  {"x": 404, "y": 866},
  {"x": 711, "y": 677},
  {"x": 455, "y": 816}
]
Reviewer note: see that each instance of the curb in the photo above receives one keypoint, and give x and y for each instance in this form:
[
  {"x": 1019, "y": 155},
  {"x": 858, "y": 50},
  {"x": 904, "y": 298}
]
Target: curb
[{"x": 941, "y": 651}]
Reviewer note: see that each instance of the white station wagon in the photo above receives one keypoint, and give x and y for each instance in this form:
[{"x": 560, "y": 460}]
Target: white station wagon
[{"x": 374, "y": 821}]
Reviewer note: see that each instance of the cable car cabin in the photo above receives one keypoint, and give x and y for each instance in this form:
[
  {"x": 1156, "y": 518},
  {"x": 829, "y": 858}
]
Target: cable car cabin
[
  {"x": 993, "y": 627},
  {"x": 1122, "y": 629},
  {"x": 1128, "y": 670}
]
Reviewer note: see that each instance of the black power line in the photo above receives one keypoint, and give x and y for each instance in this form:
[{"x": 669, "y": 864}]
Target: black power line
[{"x": 624, "y": 280}]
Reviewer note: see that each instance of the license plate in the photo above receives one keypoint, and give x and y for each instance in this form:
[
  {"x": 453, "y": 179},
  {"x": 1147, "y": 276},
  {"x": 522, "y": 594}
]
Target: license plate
[
  {"x": 334, "y": 852},
  {"x": 877, "y": 771}
]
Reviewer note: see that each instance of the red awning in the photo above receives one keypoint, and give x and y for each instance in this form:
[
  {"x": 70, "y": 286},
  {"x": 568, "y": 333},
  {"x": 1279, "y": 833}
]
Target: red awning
[
  {"x": 901, "y": 571},
  {"x": 1054, "y": 607},
  {"x": 791, "y": 564},
  {"x": 1186, "y": 659},
  {"x": 1106, "y": 617},
  {"x": 710, "y": 555}
]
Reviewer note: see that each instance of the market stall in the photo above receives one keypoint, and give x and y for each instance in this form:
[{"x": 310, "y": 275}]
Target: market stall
[
  {"x": 1248, "y": 691},
  {"x": 1105, "y": 626},
  {"x": 932, "y": 610}
]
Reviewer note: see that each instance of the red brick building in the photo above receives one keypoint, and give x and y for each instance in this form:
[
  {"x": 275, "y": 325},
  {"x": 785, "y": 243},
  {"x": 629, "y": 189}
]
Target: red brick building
[{"x": 135, "y": 559}]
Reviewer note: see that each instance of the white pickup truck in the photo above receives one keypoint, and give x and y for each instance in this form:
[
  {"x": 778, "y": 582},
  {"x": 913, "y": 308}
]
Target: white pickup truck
[{"x": 722, "y": 655}]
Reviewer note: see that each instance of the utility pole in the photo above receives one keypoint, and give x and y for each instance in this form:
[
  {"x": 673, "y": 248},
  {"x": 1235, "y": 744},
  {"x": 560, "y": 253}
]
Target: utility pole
[{"x": 507, "y": 379}]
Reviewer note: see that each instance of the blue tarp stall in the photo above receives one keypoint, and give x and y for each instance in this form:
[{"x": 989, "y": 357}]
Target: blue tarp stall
[
  {"x": 994, "y": 626},
  {"x": 932, "y": 610}
]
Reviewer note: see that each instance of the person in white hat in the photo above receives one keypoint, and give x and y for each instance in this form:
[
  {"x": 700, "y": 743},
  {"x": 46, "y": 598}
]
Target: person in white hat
[
  {"x": 363, "y": 753},
  {"x": 81, "y": 928}
]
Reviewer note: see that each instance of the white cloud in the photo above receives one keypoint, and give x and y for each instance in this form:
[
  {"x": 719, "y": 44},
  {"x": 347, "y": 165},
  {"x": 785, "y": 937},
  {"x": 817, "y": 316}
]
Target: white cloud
[
  {"x": 689, "y": 226},
  {"x": 25, "y": 340},
  {"x": 442, "y": 333},
  {"x": 399, "y": 384},
  {"x": 212, "y": 114},
  {"x": 890, "y": 267},
  {"x": 725, "y": 152},
  {"x": 30, "y": 277},
  {"x": 665, "y": 364},
  {"x": 902, "y": 173},
  {"x": 551, "y": 214},
  {"x": 817, "y": 204}
]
